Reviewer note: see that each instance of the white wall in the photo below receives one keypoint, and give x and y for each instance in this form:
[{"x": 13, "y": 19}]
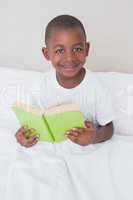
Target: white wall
[{"x": 107, "y": 22}]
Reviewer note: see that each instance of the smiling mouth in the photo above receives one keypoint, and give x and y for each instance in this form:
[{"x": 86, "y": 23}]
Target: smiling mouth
[{"x": 69, "y": 66}]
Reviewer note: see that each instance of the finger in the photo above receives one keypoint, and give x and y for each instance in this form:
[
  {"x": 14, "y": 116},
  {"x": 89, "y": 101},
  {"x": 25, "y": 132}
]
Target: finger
[
  {"x": 20, "y": 131},
  {"x": 20, "y": 137},
  {"x": 32, "y": 139},
  {"x": 76, "y": 131},
  {"x": 31, "y": 143},
  {"x": 89, "y": 124},
  {"x": 72, "y": 133},
  {"x": 72, "y": 138}
]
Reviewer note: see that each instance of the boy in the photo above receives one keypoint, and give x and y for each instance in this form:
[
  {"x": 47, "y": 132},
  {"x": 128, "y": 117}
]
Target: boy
[{"x": 67, "y": 49}]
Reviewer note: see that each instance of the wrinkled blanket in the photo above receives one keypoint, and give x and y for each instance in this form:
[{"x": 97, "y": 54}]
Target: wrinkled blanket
[{"x": 66, "y": 170}]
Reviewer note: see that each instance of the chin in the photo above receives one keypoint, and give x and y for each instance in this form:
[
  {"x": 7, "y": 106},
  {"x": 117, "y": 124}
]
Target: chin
[
  {"x": 69, "y": 75},
  {"x": 70, "y": 72}
]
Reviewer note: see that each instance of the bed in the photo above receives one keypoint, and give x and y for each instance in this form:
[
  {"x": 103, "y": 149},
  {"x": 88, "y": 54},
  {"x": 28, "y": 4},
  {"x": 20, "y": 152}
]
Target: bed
[{"x": 65, "y": 170}]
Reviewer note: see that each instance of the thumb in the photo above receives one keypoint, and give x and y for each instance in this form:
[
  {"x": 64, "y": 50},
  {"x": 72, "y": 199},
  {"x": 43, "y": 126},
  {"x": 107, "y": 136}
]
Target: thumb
[{"x": 89, "y": 124}]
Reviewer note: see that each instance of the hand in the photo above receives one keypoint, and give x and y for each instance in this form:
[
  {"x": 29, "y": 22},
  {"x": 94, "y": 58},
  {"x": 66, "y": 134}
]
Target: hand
[
  {"x": 82, "y": 136},
  {"x": 25, "y": 141}
]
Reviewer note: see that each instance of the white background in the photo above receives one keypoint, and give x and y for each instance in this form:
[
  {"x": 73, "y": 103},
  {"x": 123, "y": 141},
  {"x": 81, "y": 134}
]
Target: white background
[{"x": 108, "y": 24}]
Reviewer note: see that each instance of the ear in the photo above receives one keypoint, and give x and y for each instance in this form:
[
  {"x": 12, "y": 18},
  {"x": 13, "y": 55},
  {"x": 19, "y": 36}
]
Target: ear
[
  {"x": 87, "y": 48},
  {"x": 45, "y": 53}
]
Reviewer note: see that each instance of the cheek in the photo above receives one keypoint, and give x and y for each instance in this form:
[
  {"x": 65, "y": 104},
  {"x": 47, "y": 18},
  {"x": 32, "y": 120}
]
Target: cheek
[
  {"x": 54, "y": 58},
  {"x": 81, "y": 57},
  {"x": 56, "y": 61}
]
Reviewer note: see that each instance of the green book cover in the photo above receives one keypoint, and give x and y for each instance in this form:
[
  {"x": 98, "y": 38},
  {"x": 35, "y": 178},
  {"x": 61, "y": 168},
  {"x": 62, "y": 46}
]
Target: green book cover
[{"x": 50, "y": 124}]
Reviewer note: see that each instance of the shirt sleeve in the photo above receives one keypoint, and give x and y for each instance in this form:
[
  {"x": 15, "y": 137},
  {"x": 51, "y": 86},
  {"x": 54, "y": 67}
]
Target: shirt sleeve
[{"x": 104, "y": 106}]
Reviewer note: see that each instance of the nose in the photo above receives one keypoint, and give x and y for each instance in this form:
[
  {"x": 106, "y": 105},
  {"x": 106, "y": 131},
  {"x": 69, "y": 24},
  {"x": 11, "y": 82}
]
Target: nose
[{"x": 68, "y": 56}]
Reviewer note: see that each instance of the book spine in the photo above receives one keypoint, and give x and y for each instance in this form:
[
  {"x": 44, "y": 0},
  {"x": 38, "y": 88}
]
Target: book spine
[{"x": 50, "y": 132}]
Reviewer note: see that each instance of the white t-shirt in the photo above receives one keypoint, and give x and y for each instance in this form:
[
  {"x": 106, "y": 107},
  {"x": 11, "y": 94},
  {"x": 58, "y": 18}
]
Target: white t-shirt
[{"x": 94, "y": 100}]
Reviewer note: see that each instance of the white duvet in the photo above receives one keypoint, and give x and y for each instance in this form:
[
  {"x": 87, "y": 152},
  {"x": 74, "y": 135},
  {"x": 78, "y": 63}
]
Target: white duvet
[{"x": 66, "y": 171}]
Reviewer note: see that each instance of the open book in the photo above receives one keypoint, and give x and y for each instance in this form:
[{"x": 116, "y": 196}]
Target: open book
[{"x": 50, "y": 124}]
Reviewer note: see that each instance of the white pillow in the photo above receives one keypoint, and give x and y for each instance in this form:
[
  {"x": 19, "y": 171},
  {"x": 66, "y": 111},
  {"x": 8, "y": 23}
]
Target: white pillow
[
  {"x": 13, "y": 83},
  {"x": 121, "y": 87}
]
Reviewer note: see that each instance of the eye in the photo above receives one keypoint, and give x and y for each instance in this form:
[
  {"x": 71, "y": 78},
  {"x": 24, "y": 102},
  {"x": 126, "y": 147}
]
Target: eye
[
  {"x": 59, "y": 51},
  {"x": 77, "y": 49}
]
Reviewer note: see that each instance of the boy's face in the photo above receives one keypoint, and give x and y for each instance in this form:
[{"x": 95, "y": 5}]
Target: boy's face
[{"x": 67, "y": 50}]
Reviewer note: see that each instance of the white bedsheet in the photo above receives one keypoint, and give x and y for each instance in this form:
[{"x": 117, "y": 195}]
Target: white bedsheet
[{"x": 66, "y": 171}]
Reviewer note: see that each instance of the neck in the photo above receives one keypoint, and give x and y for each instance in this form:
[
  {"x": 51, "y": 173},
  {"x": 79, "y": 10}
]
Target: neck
[{"x": 70, "y": 82}]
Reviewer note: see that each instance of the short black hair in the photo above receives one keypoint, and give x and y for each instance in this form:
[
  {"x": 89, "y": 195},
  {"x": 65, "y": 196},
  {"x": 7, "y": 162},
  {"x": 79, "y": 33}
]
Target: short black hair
[{"x": 63, "y": 22}]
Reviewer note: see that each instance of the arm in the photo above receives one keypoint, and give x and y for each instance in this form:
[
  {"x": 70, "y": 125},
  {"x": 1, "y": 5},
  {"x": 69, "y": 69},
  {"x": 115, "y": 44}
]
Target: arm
[
  {"x": 90, "y": 134},
  {"x": 103, "y": 133}
]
